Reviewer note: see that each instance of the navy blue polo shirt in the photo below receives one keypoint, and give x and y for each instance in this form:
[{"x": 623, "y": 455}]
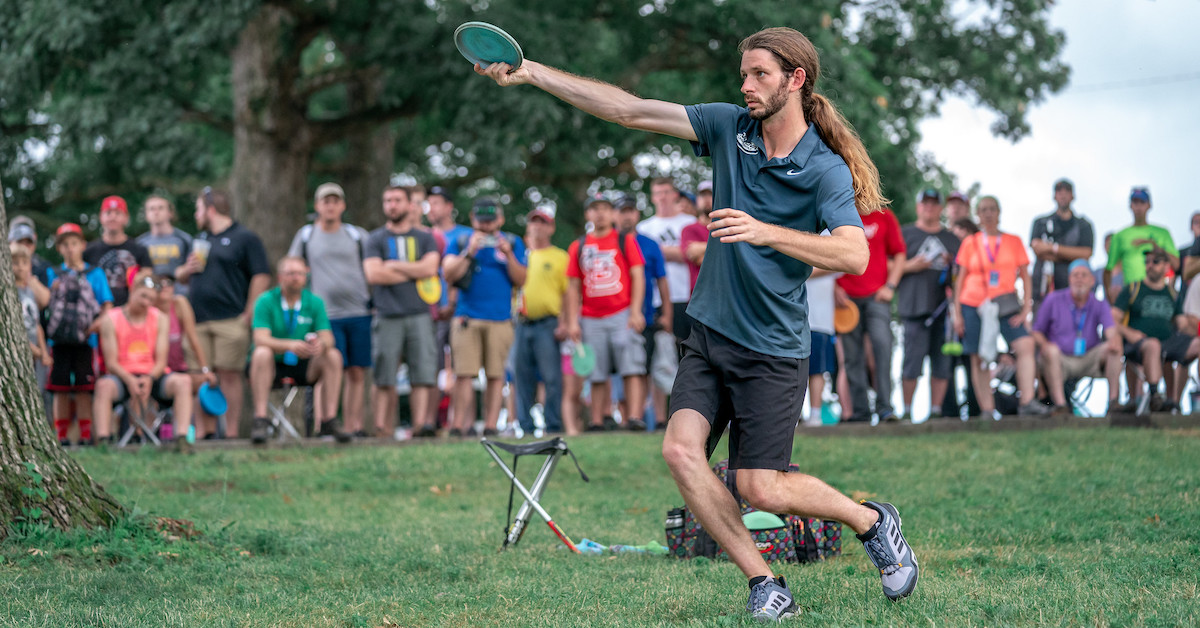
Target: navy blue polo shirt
[{"x": 755, "y": 295}]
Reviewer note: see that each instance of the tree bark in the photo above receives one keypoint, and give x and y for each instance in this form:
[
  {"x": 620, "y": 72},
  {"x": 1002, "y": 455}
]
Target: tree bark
[
  {"x": 39, "y": 482},
  {"x": 273, "y": 140},
  {"x": 371, "y": 154}
]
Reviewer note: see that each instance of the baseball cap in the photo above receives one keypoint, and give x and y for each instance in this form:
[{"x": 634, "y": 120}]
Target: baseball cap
[
  {"x": 1064, "y": 183},
  {"x": 329, "y": 189},
  {"x": 1156, "y": 251},
  {"x": 21, "y": 232},
  {"x": 705, "y": 186},
  {"x": 438, "y": 190},
  {"x": 689, "y": 196},
  {"x": 66, "y": 230},
  {"x": 957, "y": 196},
  {"x": 930, "y": 194},
  {"x": 1140, "y": 193},
  {"x": 541, "y": 213},
  {"x": 1077, "y": 264},
  {"x": 598, "y": 199},
  {"x": 113, "y": 203},
  {"x": 485, "y": 209}
]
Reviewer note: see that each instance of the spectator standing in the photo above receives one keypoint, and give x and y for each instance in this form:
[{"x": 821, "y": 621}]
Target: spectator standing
[
  {"x": 486, "y": 266},
  {"x": 540, "y": 326},
  {"x": 1189, "y": 257},
  {"x": 398, "y": 255},
  {"x": 694, "y": 242},
  {"x": 606, "y": 289},
  {"x": 1153, "y": 330},
  {"x": 1071, "y": 348},
  {"x": 226, "y": 274},
  {"x": 922, "y": 305},
  {"x": 167, "y": 245},
  {"x": 31, "y": 311},
  {"x": 656, "y": 305},
  {"x": 114, "y": 253},
  {"x": 823, "y": 360},
  {"x": 962, "y": 229},
  {"x": 957, "y": 208},
  {"x": 441, "y": 217},
  {"x": 666, "y": 228},
  {"x": 134, "y": 339},
  {"x": 1058, "y": 239},
  {"x": 22, "y": 234},
  {"x": 78, "y": 300},
  {"x": 1130, "y": 245},
  {"x": 22, "y": 231},
  {"x": 704, "y": 197},
  {"x": 872, "y": 292},
  {"x": 990, "y": 263},
  {"x": 292, "y": 340},
  {"x": 335, "y": 251}
]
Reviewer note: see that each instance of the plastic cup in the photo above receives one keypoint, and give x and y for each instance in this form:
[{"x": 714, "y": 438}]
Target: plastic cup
[{"x": 201, "y": 249}]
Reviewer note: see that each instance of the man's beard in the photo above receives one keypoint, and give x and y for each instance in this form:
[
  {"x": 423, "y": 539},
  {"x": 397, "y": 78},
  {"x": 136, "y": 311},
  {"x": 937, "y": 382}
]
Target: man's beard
[
  {"x": 397, "y": 219},
  {"x": 774, "y": 102}
]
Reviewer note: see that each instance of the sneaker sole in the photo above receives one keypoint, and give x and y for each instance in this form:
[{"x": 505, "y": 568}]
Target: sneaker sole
[{"x": 913, "y": 585}]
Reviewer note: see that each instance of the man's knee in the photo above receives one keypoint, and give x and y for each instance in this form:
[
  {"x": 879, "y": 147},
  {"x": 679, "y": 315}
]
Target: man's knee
[
  {"x": 683, "y": 445},
  {"x": 761, "y": 489}
]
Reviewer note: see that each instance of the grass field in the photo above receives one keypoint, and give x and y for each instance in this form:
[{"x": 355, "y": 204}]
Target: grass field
[{"x": 1097, "y": 527}]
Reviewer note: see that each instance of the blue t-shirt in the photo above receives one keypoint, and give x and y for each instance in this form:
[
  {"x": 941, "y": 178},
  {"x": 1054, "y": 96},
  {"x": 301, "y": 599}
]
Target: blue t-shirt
[
  {"x": 755, "y": 295},
  {"x": 96, "y": 277},
  {"x": 656, "y": 268},
  {"x": 489, "y": 296},
  {"x": 453, "y": 235}
]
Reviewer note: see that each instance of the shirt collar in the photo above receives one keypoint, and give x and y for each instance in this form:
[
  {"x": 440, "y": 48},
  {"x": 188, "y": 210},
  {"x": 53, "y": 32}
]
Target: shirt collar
[{"x": 800, "y": 154}]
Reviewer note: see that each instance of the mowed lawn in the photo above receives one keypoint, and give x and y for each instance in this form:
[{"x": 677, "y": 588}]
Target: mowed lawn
[{"x": 1088, "y": 527}]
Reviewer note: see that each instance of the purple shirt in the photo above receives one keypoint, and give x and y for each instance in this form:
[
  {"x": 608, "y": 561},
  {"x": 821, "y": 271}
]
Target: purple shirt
[{"x": 1061, "y": 322}]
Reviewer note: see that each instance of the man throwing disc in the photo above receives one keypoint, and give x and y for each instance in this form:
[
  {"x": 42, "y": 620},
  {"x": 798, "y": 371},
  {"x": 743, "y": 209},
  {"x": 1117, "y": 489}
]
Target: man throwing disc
[{"x": 786, "y": 167}]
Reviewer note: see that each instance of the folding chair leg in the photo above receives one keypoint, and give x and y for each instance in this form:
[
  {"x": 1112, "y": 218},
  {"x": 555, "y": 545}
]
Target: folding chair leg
[
  {"x": 136, "y": 420},
  {"x": 532, "y": 501},
  {"x": 526, "y": 509},
  {"x": 282, "y": 426}
]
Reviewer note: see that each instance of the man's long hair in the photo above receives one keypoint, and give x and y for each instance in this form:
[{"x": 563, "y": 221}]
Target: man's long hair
[{"x": 794, "y": 50}]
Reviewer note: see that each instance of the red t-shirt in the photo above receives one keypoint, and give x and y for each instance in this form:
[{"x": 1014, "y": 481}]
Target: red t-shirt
[
  {"x": 884, "y": 241},
  {"x": 694, "y": 232},
  {"x": 604, "y": 279}
]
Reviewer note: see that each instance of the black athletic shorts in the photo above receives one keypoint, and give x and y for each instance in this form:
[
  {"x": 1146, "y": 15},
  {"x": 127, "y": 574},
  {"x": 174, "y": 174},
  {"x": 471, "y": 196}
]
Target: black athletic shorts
[
  {"x": 759, "y": 397},
  {"x": 73, "y": 370}
]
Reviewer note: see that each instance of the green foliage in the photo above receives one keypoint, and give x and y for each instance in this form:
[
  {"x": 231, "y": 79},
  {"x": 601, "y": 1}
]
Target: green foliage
[
  {"x": 136, "y": 95},
  {"x": 1069, "y": 527}
]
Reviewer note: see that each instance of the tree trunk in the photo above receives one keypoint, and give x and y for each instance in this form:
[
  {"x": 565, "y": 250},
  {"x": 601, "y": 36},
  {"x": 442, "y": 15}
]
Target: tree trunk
[
  {"x": 366, "y": 177},
  {"x": 39, "y": 482},
  {"x": 273, "y": 141}
]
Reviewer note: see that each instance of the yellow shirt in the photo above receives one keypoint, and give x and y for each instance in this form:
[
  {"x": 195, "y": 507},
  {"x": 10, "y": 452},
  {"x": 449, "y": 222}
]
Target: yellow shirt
[{"x": 545, "y": 283}]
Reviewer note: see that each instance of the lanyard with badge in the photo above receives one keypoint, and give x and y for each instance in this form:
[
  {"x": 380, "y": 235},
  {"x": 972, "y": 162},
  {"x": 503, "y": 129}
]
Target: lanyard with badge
[
  {"x": 1080, "y": 316},
  {"x": 992, "y": 253}
]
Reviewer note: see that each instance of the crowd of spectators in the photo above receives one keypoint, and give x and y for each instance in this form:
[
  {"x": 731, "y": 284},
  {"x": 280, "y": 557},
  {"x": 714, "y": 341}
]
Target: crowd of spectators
[{"x": 123, "y": 321}]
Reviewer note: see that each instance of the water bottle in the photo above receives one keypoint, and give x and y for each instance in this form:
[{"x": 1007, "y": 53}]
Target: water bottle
[{"x": 191, "y": 435}]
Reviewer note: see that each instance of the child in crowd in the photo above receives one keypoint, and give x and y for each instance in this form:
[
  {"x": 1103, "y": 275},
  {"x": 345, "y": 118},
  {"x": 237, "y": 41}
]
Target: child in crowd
[{"x": 31, "y": 312}]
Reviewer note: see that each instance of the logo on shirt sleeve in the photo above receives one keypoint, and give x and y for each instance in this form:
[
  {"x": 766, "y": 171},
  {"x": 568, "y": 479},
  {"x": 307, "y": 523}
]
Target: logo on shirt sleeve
[{"x": 745, "y": 145}]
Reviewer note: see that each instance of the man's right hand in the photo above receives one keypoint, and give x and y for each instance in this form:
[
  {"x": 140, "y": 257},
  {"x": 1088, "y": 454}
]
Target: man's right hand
[
  {"x": 302, "y": 349},
  {"x": 191, "y": 266},
  {"x": 475, "y": 243},
  {"x": 575, "y": 332}
]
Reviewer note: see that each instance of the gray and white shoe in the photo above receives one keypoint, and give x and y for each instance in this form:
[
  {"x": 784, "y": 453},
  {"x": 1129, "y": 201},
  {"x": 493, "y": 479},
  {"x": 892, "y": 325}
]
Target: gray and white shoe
[
  {"x": 771, "y": 600},
  {"x": 891, "y": 553}
]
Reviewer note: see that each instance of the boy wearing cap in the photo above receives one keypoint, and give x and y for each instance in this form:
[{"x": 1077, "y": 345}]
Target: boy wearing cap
[
  {"x": 540, "y": 326},
  {"x": 72, "y": 374},
  {"x": 607, "y": 286},
  {"x": 114, "y": 253},
  {"x": 486, "y": 266},
  {"x": 1130, "y": 245},
  {"x": 168, "y": 245},
  {"x": 22, "y": 231},
  {"x": 1057, "y": 239},
  {"x": 397, "y": 255},
  {"x": 31, "y": 310},
  {"x": 335, "y": 251},
  {"x": 1065, "y": 330}
]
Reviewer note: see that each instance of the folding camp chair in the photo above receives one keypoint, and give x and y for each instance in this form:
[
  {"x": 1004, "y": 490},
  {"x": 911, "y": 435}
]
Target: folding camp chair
[
  {"x": 280, "y": 425},
  {"x": 137, "y": 419},
  {"x": 553, "y": 450}
]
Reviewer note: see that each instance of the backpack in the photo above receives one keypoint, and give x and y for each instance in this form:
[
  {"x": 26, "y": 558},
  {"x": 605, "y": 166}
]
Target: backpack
[
  {"x": 306, "y": 234},
  {"x": 73, "y": 307},
  {"x": 799, "y": 540}
]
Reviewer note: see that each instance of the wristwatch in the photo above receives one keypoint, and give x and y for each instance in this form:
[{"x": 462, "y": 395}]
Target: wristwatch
[
  {"x": 205, "y": 370},
  {"x": 890, "y": 286}
]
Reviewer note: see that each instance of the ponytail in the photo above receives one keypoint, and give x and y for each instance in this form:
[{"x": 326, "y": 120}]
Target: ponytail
[
  {"x": 793, "y": 50},
  {"x": 840, "y": 136}
]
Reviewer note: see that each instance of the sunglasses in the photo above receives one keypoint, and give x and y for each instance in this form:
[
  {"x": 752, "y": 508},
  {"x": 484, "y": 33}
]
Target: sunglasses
[
  {"x": 1156, "y": 260},
  {"x": 148, "y": 282}
]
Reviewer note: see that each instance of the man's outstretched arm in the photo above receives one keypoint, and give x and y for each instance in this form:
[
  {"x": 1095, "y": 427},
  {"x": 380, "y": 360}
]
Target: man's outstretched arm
[{"x": 605, "y": 101}]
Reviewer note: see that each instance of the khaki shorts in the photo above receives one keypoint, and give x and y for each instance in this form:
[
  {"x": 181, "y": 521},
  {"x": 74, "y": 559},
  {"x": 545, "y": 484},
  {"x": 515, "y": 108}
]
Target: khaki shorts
[
  {"x": 478, "y": 343},
  {"x": 1090, "y": 364},
  {"x": 226, "y": 344}
]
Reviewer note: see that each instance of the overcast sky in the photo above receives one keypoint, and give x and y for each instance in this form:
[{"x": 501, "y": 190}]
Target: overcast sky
[{"x": 1129, "y": 116}]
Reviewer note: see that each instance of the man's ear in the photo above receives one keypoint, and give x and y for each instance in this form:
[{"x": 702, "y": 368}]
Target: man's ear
[{"x": 798, "y": 78}]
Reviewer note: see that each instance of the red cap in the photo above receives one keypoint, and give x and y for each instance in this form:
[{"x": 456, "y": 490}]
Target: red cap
[
  {"x": 113, "y": 202},
  {"x": 68, "y": 229}
]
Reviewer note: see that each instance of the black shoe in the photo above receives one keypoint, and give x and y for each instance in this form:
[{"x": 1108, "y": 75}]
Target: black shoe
[
  {"x": 471, "y": 432},
  {"x": 1157, "y": 402},
  {"x": 210, "y": 436},
  {"x": 426, "y": 431},
  {"x": 180, "y": 445},
  {"x": 455, "y": 432},
  {"x": 592, "y": 427},
  {"x": 635, "y": 425},
  {"x": 1124, "y": 408},
  {"x": 64, "y": 443},
  {"x": 260, "y": 431},
  {"x": 488, "y": 431},
  {"x": 361, "y": 434},
  {"x": 329, "y": 430},
  {"x": 610, "y": 423}
]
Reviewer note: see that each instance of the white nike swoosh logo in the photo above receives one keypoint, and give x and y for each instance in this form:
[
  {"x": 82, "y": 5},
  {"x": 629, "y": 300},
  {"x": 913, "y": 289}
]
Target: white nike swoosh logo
[{"x": 792, "y": 173}]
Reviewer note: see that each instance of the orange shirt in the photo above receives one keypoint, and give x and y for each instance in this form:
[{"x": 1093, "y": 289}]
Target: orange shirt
[
  {"x": 135, "y": 343},
  {"x": 990, "y": 267}
]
